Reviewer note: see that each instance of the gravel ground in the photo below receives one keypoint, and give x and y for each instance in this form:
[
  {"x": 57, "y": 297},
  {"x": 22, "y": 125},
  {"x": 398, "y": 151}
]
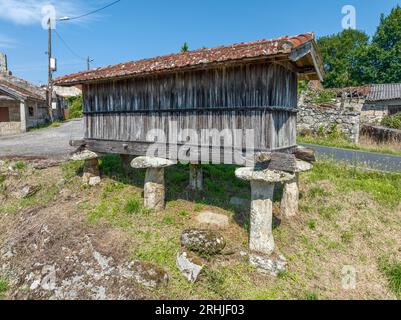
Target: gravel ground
[{"x": 51, "y": 143}]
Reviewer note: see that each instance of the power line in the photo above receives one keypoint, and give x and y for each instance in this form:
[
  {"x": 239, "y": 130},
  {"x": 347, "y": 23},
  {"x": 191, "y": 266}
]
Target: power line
[
  {"x": 67, "y": 46},
  {"x": 92, "y": 12}
]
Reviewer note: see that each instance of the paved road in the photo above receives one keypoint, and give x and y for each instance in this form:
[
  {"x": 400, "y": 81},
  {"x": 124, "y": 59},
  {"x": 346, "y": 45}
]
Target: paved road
[
  {"x": 371, "y": 160},
  {"x": 52, "y": 143}
]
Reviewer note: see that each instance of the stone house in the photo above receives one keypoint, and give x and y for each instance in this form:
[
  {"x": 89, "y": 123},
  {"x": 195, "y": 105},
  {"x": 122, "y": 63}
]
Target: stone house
[
  {"x": 348, "y": 109},
  {"x": 381, "y": 100},
  {"x": 22, "y": 105}
]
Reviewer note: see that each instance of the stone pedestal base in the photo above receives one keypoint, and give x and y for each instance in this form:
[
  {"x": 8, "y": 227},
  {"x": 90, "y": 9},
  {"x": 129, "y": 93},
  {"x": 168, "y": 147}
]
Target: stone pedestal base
[
  {"x": 290, "y": 201},
  {"x": 261, "y": 220},
  {"x": 126, "y": 162},
  {"x": 195, "y": 177},
  {"x": 91, "y": 174},
  {"x": 154, "y": 189},
  {"x": 261, "y": 235}
]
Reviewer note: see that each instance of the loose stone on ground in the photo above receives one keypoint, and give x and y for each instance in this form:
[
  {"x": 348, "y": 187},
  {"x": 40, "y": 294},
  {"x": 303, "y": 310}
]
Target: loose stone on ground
[
  {"x": 205, "y": 242},
  {"x": 190, "y": 265},
  {"x": 213, "y": 219}
]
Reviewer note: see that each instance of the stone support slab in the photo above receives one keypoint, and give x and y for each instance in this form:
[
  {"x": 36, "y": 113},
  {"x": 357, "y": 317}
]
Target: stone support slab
[{"x": 195, "y": 177}]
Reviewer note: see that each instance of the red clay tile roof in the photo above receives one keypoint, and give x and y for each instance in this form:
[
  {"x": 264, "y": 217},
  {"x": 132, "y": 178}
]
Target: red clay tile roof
[
  {"x": 197, "y": 58},
  {"x": 21, "y": 88}
]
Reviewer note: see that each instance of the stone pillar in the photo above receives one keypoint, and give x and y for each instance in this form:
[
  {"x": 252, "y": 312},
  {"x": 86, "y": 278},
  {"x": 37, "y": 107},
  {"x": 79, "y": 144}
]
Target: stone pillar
[
  {"x": 23, "y": 116},
  {"x": 126, "y": 161},
  {"x": 195, "y": 177},
  {"x": 91, "y": 174},
  {"x": 261, "y": 231},
  {"x": 154, "y": 189},
  {"x": 261, "y": 219},
  {"x": 290, "y": 201}
]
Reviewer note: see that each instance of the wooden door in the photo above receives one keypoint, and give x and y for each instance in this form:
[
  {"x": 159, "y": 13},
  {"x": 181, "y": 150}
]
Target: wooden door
[{"x": 4, "y": 114}]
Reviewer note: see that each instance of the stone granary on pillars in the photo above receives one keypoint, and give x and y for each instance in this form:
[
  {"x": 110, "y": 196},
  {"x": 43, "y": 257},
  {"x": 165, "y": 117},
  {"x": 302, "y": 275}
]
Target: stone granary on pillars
[{"x": 244, "y": 88}]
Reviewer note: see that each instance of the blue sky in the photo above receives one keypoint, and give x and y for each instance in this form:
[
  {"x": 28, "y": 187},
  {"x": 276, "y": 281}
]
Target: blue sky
[{"x": 135, "y": 29}]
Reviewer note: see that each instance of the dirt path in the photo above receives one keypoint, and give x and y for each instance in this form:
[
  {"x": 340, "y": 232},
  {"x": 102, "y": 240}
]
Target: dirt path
[{"x": 52, "y": 143}]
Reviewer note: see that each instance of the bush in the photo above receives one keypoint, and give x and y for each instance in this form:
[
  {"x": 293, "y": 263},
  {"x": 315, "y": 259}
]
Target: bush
[
  {"x": 393, "y": 122},
  {"x": 75, "y": 107}
]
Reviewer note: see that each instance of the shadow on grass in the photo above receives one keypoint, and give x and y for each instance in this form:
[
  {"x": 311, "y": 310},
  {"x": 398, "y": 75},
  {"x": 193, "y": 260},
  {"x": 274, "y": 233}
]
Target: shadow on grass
[{"x": 220, "y": 185}]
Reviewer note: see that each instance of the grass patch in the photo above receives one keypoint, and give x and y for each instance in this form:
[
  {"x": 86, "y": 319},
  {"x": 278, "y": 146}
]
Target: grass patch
[
  {"x": 384, "y": 187},
  {"x": 20, "y": 165},
  {"x": 133, "y": 206},
  {"x": 4, "y": 285},
  {"x": 72, "y": 169},
  {"x": 392, "y": 271},
  {"x": 54, "y": 124}
]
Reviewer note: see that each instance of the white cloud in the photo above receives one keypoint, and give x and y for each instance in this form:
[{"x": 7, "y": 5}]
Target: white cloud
[
  {"x": 28, "y": 12},
  {"x": 6, "y": 42}
]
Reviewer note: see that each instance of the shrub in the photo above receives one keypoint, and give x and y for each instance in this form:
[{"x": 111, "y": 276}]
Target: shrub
[
  {"x": 393, "y": 122},
  {"x": 75, "y": 107}
]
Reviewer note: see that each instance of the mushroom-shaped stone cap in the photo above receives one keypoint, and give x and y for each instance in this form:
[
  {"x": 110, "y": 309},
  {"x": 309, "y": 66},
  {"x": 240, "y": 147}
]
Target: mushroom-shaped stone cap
[
  {"x": 269, "y": 176},
  {"x": 84, "y": 155},
  {"x": 303, "y": 166},
  {"x": 151, "y": 162}
]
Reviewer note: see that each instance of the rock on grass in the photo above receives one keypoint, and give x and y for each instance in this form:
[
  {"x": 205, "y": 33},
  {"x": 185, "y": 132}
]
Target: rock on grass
[{"x": 205, "y": 242}]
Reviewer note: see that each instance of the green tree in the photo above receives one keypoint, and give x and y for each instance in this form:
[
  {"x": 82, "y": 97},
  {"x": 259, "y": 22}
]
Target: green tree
[
  {"x": 185, "y": 47},
  {"x": 339, "y": 52},
  {"x": 381, "y": 61}
]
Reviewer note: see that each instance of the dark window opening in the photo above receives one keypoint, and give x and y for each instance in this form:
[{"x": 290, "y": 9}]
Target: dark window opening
[
  {"x": 31, "y": 112},
  {"x": 394, "y": 110}
]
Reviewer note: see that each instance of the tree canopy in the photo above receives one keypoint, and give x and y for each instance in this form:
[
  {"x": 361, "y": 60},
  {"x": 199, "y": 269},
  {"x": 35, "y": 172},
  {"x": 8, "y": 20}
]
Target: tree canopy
[{"x": 351, "y": 59}]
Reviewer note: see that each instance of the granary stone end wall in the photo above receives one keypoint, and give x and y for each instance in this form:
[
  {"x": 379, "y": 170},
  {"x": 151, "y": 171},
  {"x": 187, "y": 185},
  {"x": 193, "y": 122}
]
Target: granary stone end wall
[{"x": 315, "y": 118}]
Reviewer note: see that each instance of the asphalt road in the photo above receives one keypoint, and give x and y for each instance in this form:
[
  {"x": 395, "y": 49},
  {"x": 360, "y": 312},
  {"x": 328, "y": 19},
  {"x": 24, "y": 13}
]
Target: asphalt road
[
  {"x": 370, "y": 160},
  {"x": 51, "y": 143}
]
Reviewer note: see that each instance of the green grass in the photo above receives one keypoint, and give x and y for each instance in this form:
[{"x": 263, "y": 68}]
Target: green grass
[
  {"x": 392, "y": 271},
  {"x": 385, "y": 188},
  {"x": 133, "y": 206},
  {"x": 4, "y": 285},
  {"x": 20, "y": 165},
  {"x": 54, "y": 124},
  {"x": 342, "y": 144}
]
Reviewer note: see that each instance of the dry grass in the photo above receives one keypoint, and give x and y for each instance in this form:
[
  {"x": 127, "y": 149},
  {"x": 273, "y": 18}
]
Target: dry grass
[
  {"x": 347, "y": 217},
  {"x": 368, "y": 142}
]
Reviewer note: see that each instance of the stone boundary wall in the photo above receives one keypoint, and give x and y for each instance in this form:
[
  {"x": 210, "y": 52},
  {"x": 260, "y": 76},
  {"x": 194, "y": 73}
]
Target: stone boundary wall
[
  {"x": 381, "y": 134},
  {"x": 313, "y": 119},
  {"x": 10, "y": 128}
]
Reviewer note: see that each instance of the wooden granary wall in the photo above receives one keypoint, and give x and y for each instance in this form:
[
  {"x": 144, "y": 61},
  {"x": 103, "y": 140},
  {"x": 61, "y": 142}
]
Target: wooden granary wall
[{"x": 258, "y": 95}]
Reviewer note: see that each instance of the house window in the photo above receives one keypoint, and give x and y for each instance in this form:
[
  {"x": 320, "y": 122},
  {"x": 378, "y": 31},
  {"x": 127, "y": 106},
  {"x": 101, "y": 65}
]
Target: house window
[
  {"x": 393, "y": 110},
  {"x": 31, "y": 112}
]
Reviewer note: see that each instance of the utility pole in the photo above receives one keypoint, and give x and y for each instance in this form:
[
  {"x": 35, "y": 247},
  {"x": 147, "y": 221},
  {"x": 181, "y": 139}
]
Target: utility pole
[
  {"x": 50, "y": 79},
  {"x": 88, "y": 62}
]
